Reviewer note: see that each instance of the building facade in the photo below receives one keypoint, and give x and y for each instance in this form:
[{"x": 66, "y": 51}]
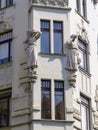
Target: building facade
[{"x": 48, "y": 64}]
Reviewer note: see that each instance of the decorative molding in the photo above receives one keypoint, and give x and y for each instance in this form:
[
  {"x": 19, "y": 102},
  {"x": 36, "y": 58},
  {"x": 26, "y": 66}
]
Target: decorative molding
[
  {"x": 2, "y": 12},
  {"x": 35, "y": 108},
  {"x": 61, "y": 3},
  {"x": 77, "y": 114},
  {"x": 72, "y": 79},
  {"x": 96, "y": 120},
  {"x": 21, "y": 113},
  {"x": 77, "y": 128},
  {"x": 78, "y": 101},
  {"x": 82, "y": 32},
  {"x": 96, "y": 97},
  {"x": 69, "y": 109},
  {"x": 95, "y": 1},
  {"x": 5, "y": 27}
]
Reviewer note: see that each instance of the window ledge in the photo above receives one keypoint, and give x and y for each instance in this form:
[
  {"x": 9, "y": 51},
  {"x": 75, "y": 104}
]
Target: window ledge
[
  {"x": 7, "y": 7},
  {"x": 84, "y": 71},
  {"x": 56, "y": 121},
  {"x": 5, "y": 65},
  {"x": 5, "y": 128},
  {"x": 82, "y": 16},
  {"x": 52, "y": 54}
]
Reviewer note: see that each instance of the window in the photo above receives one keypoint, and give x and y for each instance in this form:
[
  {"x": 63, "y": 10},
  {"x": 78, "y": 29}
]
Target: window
[
  {"x": 5, "y": 96},
  {"x": 5, "y": 47},
  {"x": 78, "y": 5},
  {"x": 45, "y": 37},
  {"x": 56, "y": 44},
  {"x": 58, "y": 37},
  {"x": 85, "y": 113},
  {"x": 46, "y": 99},
  {"x": 83, "y": 55},
  {"x": 9, "y": 2},
  {"x": 59, "y": 100},
  {"x": 82, "y": 7},
  {"x": 5, "y": 3}
]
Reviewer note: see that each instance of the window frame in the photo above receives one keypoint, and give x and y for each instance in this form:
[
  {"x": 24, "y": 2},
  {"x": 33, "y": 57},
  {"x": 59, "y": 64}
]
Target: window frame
[
  {"x": 49, "y": 90},
  {"x": 85, "y": 54},
  {"x": 9, "y": 42},
  {"x": 46, "y": 30},
  {"x": 58, "y": 31},
  {"x": 52, "y": 99},
  {"x": 81, "y": 7},
  {"x": 87, "y": 106},
  {"x": 60, "y": 90},
  {"x": 6, "y": 96},
  {"x": 51, "y": 36},
  {"x": 7, "y": 3}
]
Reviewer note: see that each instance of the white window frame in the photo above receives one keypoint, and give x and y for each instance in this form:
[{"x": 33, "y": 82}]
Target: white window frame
[
  {"x": 51, "y": 36},
  {"x": 82, "y": 7},
  {"x": 85, "y": 113},
  {"x": 55, "y": 86}
]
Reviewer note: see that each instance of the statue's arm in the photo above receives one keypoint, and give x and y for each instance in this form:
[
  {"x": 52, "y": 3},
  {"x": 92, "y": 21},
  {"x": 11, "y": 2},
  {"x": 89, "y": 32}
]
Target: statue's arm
[{"x": 38, "y": 34}]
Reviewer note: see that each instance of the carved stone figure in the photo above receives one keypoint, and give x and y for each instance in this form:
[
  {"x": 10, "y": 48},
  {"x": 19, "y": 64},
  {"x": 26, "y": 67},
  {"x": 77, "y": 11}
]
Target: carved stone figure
[
  {"x": 32, "y": 37},
  {"x": 72, "y": 54}
]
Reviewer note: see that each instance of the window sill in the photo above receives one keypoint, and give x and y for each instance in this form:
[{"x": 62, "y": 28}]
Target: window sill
[
  {"x": 52, "y": 54},
  {"x": 7, "y": 7},
  {"x": 85, "y": 19},
  {"x": 5, "y": 128},
  {"x": 5, "y": 65},
  {"x": 85, "y": 72},
  {"x": 56, "y": 121}
]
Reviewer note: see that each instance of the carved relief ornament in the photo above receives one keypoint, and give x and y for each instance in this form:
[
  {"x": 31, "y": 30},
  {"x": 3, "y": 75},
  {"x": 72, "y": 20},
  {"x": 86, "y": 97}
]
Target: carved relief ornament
[
  {"x": 82, "y": 32},
  {"x": 4, "y": 26},
  {"x": 52, "y": 2}
]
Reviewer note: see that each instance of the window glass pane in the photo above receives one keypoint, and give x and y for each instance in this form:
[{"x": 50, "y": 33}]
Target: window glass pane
[
  {"x": 58, "y": 26},
  {"x": 6, "y": 47},
  {"x": 58, "y": 37},
  {"x": 9, "y": 2},
  {"x": 3, "y": 112},
  {"x": 46, "y": 99},
  {"x": 45, "y": 42},
  {"x": 10, "y": 50},
  {"x": 4, "y": 53},
  {"x": 45, "y": 37},
  {"x": 78, "y": 5},
  {"x": 3, "y": 3},
  {"x": 59, "y": 100},
  {"x": 0, "y": 3},
  {"x": 57, "y": 43},
  {"x": 82, "y": 45},
  {"x": 83, "y": 55},
  {"x": 83, "y": 114},
  {"x": 84, "y": 8},
  {"x": 4, "y": 107},
  {"x": 82, "y": 59}
]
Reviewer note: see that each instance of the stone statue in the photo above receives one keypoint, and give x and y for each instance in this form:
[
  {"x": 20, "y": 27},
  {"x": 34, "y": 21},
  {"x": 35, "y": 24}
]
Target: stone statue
[
  {"x": 72, "y": 54},
  {"x": 32, "y": 37}
]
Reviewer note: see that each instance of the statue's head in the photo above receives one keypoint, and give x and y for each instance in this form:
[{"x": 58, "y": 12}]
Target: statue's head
[{"x": 73, "y": 37}]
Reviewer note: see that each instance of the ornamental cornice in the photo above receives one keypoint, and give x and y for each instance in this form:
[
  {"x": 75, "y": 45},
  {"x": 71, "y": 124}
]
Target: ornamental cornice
[{"x": 61, "y": 3}]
